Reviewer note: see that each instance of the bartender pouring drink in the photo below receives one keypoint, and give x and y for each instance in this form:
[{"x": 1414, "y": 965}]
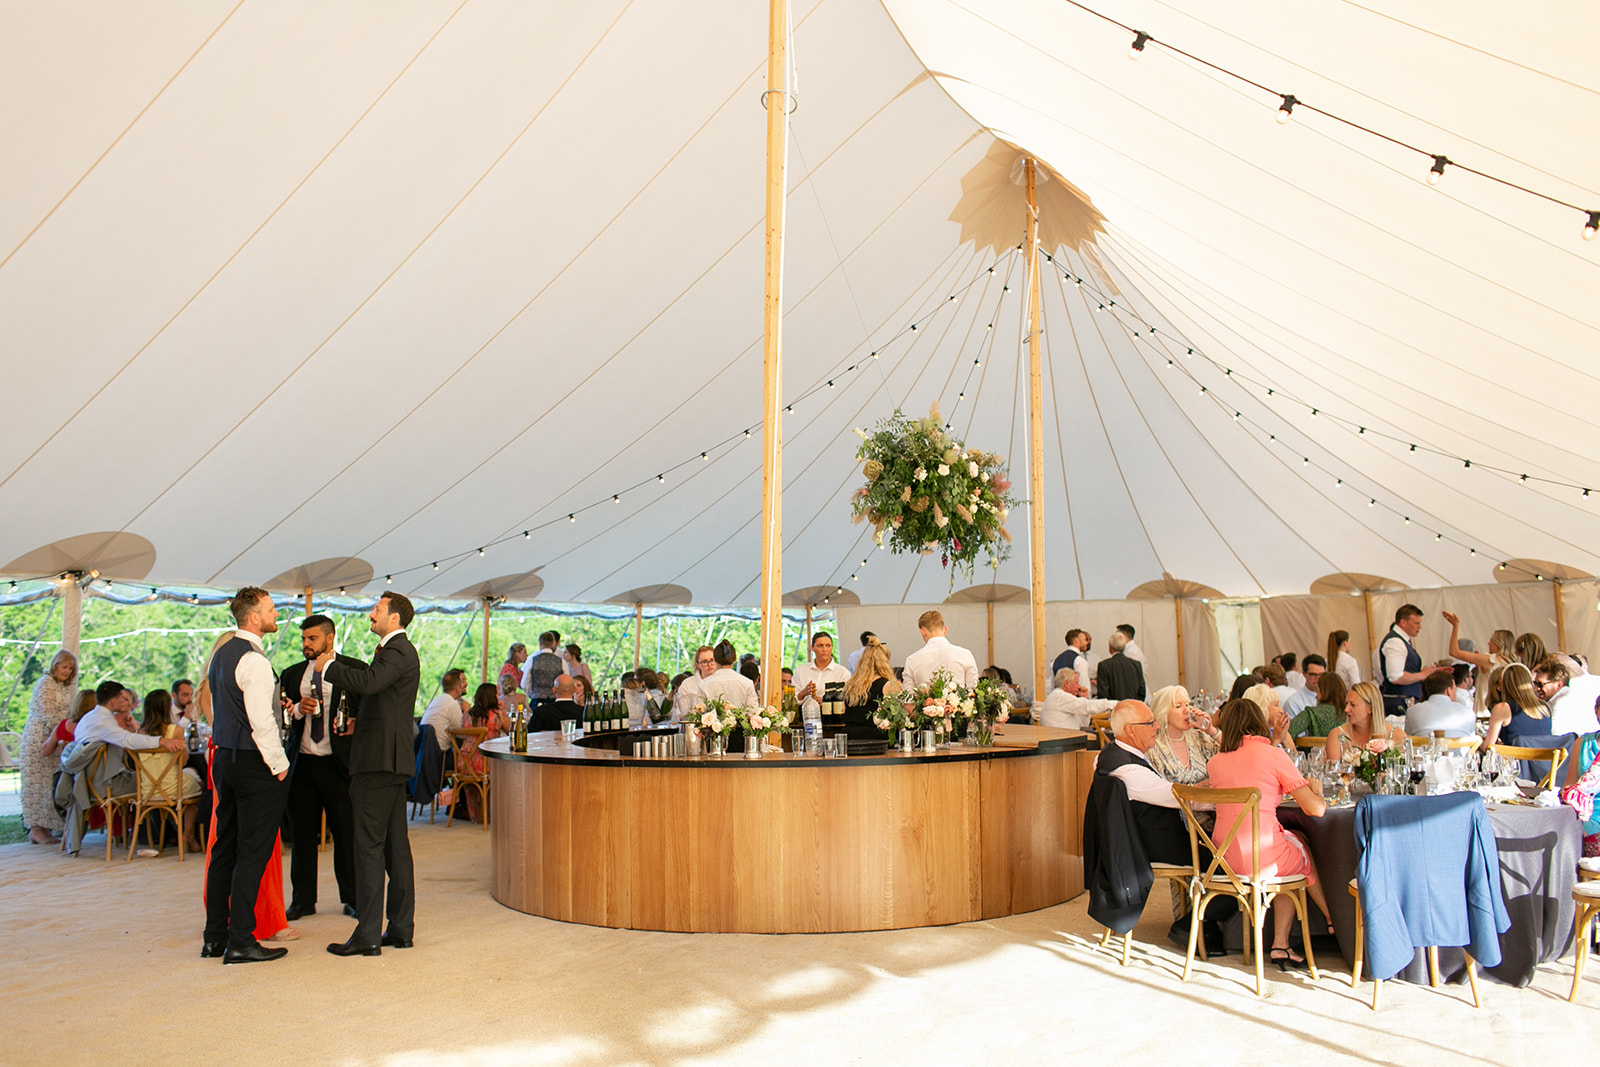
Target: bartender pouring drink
[{"x": 813, "y": 678}]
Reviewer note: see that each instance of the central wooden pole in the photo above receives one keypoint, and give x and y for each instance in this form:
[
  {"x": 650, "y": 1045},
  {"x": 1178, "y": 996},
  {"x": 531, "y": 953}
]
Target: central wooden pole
[
  {"x": 71, "y": 612},
  {"x": 1041, "y": 661},
  {"x": 308, "y": 598},
  {"x": 1366, "y": 597},
  {"x": 778, "y": 105}
]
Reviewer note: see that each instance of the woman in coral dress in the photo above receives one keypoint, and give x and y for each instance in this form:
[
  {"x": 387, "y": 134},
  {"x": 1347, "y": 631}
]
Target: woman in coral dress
[{"x": 1249, "y": 760}]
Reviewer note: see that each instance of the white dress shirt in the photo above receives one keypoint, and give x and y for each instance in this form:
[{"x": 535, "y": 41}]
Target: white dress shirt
[
  {"x": 940, "y": 655},
  {"x": 444, "y": 713},
  {"x": 1294, "y": 679},
  {"x": 258, "y": 684},
  {"x": 1133, "y": 651},
  {"x": 1572, "y": 709},
  {"x": 734, "y": 688},
  {"x": 1065, "y": 711},
  {"x": 688, "y": 693},
  {"x": 1439, "y": 712},
  {"x": 1347, "y": 669},
  {"x": 854, "y": 659},
  {"x": 100, "y": 724},
  {"x": 1301, "y": 699},
  {"x": 324, "y": 703},
  {"x": 1144, "y": 784},
  {"x": 809, "y": 672}
]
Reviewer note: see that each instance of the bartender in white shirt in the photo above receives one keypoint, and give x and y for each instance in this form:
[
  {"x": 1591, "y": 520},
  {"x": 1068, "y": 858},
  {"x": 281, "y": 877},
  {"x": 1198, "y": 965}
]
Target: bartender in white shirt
[
  {"x": 938, "y": 654},
  {"x": 683, "y": 701},
  {"x": 725, "y": 682},
  {"x": 811, "y": 679}
]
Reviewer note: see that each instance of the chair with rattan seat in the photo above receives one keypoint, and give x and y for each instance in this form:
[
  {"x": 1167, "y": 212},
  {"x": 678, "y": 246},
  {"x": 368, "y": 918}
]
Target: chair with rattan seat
[
  {"x": 158, "y": 789},
  {"x": 1555, "y": 756},
  {"x": 1254, "y": 891},
  {"x": 1433, "y": 959},
  {"x": 111, "y": 805},
  {"x": 465, "y": 776}
]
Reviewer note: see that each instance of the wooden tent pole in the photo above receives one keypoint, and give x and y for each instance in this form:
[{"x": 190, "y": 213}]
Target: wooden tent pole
[
  {"x": 638, "y": 630},
  {"x": 308, "y": 598},
  {"x": 1366, "y": 596},
  {"x": 808, "y": 628},
  {"x": 778, "y": 104},
  {"x": 71, "y": 612},
  {"x": 1177, "y": 611},
  {"x": 488, "y": 606},
  {"x": 1561, "y": 619},
  {"x": 990, "y": 606},
  {"x": 1036, "y": 591}
]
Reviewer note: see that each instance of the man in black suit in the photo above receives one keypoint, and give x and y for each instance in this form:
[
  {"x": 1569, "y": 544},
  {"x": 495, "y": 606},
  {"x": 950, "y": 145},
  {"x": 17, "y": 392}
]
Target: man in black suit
[
  {"x": 1119, "y": 678},
  {"x": 380, "y": 765},
  {"x": 319, "y": 770}
]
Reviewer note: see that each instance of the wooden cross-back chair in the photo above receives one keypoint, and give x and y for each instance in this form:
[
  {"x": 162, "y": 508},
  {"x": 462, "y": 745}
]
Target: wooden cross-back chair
[
  {"x": 1254, "y": 892},
  {"x": 158, "y": 789},
  {"x": 466, "y": 776}
]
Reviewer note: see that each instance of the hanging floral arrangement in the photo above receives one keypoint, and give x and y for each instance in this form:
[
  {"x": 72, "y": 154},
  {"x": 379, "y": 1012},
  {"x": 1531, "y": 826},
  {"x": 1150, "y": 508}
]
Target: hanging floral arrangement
[{"x": 927, "y": 492}]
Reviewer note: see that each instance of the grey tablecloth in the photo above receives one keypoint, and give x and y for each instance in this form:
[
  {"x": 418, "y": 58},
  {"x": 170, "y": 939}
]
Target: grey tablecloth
[{"x": 1539, "y": 851}]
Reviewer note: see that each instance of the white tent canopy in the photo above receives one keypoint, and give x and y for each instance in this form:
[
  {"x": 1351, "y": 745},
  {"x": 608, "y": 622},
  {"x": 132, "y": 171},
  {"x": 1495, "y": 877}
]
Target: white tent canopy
[{"x": 387, "y": 284}]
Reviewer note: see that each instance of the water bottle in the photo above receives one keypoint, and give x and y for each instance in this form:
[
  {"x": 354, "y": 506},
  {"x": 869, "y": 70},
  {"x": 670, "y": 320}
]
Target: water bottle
[{"x": 811, "y": 716}]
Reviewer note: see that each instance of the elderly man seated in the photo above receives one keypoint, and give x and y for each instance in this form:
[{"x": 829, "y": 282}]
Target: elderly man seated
[
  {"x": 1069, "y": 704},
  {"x": 1440, "y": 710},
  {"x": 1155, "y": 810}
]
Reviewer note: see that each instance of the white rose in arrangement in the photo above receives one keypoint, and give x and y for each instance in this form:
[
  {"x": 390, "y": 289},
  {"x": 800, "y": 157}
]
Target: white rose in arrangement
[
  {"x": 944, "y": 469},
  {"x": 860, "y": 433},
  {"x": 921, "y": 474},
  {"x": 972, "y": 468}
]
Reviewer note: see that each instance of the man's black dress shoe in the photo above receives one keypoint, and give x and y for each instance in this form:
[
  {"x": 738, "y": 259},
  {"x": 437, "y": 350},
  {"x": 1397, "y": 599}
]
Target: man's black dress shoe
[
  {"x": 391, "y": 941},
  {"x": 255, "y": 953},
  {"x": 353, "y": 947},
  {"x": 350, "y": 910},
  {"x": 295, "y": 911},
  {"x": 210, "y": 950}
]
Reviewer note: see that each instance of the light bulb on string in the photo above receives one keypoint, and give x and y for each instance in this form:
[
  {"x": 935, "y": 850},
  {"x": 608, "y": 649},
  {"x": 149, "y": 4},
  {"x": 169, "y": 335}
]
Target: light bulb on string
[
  {"x": 1590, "y": 227},
  {"x": 1436, "y": 171},
  {"x": 1286, "y": 108},
  {"x": 1140, "y": 39},
  {"x": 527, "y": 535},
  {"x": 480, "y": 551}
]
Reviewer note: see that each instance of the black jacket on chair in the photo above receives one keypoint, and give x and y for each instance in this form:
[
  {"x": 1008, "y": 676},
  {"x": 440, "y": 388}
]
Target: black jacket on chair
[{"x": 1116, "y": 870}]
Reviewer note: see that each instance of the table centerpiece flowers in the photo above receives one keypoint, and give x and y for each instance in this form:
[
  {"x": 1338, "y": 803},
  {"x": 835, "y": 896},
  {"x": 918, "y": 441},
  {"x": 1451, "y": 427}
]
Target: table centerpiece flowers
[
  {"x": 716, "y": 720},
  {"x": 756, "y": 723},
  {"x": 990, "y": 706}
]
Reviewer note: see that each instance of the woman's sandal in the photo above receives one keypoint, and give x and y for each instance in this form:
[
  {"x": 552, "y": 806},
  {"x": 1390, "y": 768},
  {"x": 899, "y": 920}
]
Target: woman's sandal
[{"x": 1286, "y": 959}]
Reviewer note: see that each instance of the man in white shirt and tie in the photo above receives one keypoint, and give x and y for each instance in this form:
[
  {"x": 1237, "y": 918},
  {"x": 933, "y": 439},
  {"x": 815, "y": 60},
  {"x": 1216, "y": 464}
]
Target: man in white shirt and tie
[{"x": 938, "y": 654}]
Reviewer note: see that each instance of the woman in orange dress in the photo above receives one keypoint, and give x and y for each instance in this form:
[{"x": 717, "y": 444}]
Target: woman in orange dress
[
  {"x": 1248, "y": 760},
  {"x": 271, "y": 923}
]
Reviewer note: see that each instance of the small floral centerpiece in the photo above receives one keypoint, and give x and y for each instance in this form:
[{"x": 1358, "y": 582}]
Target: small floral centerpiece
[
  {"x": 935, "y": 706},
  {"x": 990, "y": 706},
  {"x": 716, "y": 720},
  {"x": 927, "y": 492},
  {"x": 893, "y": 715},
  {"x": 1370, "y": 761},
  {"x": 757, "y": 723}
]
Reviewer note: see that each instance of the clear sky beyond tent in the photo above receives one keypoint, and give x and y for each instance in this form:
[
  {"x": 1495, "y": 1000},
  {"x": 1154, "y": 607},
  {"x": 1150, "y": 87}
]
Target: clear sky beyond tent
[{"x": 281, "y": 285}]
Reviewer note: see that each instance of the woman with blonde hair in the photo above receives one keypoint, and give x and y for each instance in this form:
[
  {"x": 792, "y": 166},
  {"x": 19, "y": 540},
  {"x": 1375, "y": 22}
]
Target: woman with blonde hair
[
  {"x": 48, "y": 708},
  {"x": 1501, "y": 647},
  {"x": 1516, "y": 710},
  {"x": 1364, "y": 724},
  {"x": 1528, "y": 649},
  {"x": 1265, "y": 697},
  {"x": 1185, "y": 739},
  {"x": 872, "y": 678}
]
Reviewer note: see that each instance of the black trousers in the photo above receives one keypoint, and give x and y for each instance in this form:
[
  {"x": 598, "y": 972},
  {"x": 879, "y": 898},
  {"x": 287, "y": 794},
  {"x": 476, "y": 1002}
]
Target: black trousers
[
  {"x": 250, "y": 801},
  {"x": 382, "y": 847},
  {"x": 317, "y": 785}
]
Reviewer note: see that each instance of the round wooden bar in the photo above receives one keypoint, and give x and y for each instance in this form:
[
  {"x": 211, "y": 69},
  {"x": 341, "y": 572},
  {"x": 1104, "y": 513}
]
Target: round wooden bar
[{"x": 788, "y": 844}]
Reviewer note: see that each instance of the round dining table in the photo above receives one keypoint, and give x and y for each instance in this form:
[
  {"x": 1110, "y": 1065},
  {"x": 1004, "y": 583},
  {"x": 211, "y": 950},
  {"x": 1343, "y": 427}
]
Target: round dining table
[{"x": 1539, "y": 851}]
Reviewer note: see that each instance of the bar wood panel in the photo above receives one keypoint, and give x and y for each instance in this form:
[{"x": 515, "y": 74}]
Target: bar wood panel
[{"x": 805, "y": 848}]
